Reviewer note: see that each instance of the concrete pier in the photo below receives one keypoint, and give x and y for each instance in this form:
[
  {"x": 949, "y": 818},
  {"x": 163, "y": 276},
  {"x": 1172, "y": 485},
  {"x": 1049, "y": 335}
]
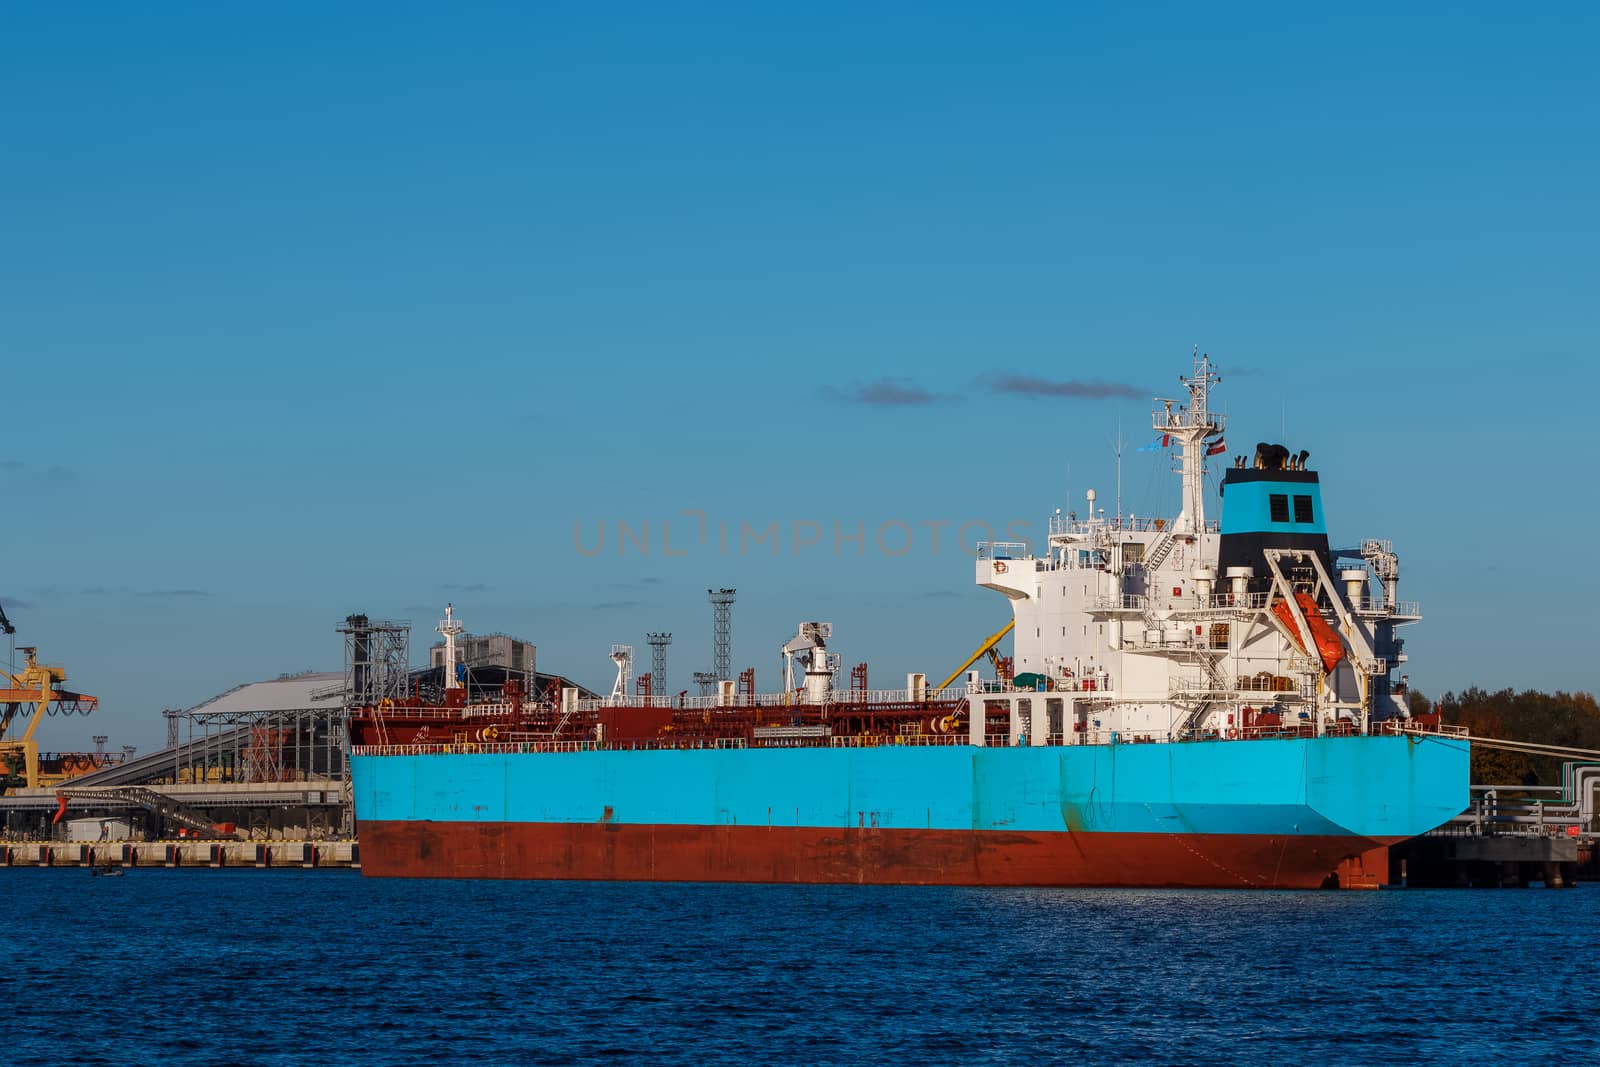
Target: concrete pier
[
  {"x": 256, "y": 855},
  {"x": 1510, "y": 861}
]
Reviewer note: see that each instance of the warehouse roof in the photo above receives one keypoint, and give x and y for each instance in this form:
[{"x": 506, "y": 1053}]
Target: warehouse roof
[{"x": 297, "y": 692}]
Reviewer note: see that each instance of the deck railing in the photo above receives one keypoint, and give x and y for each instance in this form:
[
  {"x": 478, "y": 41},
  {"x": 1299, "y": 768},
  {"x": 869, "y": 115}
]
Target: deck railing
[
  {"x": 1062, "y": 525},
  {"x": 958, "y": 738}
]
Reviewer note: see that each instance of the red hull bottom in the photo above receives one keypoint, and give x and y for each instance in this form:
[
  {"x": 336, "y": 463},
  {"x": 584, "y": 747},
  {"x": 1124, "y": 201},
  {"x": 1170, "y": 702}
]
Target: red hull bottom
[{"x": 667, "y": 853}]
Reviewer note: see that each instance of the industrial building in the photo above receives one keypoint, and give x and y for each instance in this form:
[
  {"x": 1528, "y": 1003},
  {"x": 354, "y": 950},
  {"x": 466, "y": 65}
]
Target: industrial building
[
  {"x": 489, "y": 650},
  {"x": 267, "y": 758},
  {"x": 264, "y": 761}
]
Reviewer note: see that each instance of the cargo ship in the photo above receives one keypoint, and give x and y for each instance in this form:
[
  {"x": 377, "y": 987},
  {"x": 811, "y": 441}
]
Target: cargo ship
[{"x": 1190, "y": 703}]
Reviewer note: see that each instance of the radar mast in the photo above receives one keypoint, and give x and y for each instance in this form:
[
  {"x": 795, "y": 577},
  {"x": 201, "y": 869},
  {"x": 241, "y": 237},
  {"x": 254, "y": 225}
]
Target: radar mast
[{"x": 1190, "y": 425}]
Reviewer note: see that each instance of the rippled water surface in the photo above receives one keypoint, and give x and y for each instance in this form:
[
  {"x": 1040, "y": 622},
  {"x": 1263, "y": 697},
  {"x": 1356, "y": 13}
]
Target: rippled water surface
[{"x": 291, "y": 967}]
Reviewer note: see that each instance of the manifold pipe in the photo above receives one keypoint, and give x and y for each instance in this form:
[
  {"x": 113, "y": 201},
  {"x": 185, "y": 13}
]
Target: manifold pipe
[
  {"x": 1579, "y": 790},
  {"x": 1586, "y": 791}
]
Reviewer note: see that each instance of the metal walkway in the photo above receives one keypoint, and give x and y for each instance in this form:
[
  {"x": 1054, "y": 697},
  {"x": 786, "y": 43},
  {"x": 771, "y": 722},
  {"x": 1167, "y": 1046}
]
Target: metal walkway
[{"x": 163, "y": 805}]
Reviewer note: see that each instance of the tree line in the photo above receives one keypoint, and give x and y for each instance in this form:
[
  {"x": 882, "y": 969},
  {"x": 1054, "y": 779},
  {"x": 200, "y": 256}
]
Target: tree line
[{"x": 1570, "y": 720}]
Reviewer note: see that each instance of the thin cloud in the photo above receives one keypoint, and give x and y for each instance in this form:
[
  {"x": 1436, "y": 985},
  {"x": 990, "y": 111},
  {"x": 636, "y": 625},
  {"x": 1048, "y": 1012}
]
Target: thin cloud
[
  {"x": 470, "y": 587},
  {"x": 1248, "y": 372},
  {"x": 163, "y": 594},
  {"x": 55, "y": 472},
  {"x": 888, "y": 393},
  {"x": 1077, "y": 389},
  {"x": 617, "y": 605},
  {"x": 15, "y": 602},
  {"x": 639, "y": 583}
]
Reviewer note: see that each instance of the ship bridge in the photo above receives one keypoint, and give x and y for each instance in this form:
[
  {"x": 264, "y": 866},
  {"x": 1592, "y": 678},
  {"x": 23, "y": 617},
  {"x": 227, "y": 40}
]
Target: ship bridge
[{"x": 1192, "y": 625}]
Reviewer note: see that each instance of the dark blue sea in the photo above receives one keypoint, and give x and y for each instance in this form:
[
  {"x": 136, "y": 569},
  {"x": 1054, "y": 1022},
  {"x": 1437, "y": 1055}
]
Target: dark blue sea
[{"x": 300, "y": 967}]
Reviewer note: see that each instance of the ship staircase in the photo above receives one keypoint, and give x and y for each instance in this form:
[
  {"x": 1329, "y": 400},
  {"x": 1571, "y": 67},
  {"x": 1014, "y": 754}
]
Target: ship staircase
[
  {"x": 1197, "y": 698},
  {"x": 1159, "y": 552},
  {"x": 148, "y": 799},
  {"x": 561, "y": 723},
  {"x": 1215, "y": 686}
]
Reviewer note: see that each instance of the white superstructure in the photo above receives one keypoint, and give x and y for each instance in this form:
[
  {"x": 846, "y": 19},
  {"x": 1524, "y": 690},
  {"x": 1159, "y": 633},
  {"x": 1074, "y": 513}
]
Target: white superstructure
[{"x": 1157, "y": 629}]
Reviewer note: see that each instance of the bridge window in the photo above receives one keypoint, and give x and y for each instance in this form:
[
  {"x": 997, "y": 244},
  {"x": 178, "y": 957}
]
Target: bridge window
[
  {"x": 1302, "y": 509},
  {"x": 1279, "y": 503}
]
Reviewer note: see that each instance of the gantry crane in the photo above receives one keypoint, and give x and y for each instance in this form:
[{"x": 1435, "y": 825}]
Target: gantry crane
[{"x": 41, "y": 687}]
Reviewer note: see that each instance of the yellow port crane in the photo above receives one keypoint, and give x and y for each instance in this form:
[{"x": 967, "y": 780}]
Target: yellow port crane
[
  {"x": 41, "y": 687},
  {"x": 985, "y": 649}
]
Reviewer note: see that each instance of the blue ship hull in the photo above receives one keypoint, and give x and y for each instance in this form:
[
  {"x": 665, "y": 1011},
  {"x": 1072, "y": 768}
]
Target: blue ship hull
[{"x": 1282, "y": 812}]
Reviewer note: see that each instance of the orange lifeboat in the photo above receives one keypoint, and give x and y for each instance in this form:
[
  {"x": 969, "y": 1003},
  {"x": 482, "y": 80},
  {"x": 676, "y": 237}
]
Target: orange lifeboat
[{"x": 1329, "y": 648}]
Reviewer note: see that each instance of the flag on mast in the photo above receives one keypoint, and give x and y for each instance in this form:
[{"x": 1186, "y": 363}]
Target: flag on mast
[{"x": 1219, "y": 447}]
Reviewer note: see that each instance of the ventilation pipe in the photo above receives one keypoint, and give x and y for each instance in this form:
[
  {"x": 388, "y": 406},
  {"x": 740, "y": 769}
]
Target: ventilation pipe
[{"x": 1355, "y": 585}]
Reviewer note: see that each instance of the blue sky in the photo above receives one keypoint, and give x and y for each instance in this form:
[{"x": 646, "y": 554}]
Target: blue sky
[{"x": 306, "y": 311}]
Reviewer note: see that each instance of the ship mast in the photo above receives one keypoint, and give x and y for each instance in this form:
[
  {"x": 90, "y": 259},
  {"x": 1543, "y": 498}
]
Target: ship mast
[
  {"x": 1190, "y": 425},
  {"x": 450, "y": 628}
]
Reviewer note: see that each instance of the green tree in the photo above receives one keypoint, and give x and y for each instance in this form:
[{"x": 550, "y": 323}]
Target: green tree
[{"x": 1569, "y": 720}]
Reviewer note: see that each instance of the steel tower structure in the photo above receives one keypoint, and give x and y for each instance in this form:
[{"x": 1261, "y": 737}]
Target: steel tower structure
[
  {"x": 658, "y": 661},
  {"x": 722, "y": 632},
  {"x": 377, "y": 660}
]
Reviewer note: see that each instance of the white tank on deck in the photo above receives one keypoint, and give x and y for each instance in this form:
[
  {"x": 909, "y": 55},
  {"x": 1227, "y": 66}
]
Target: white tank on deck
[{"x": 819, "y": 684}]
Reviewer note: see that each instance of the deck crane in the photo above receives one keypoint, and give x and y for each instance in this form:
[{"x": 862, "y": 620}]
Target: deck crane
[{"x": 988, "y": 647}]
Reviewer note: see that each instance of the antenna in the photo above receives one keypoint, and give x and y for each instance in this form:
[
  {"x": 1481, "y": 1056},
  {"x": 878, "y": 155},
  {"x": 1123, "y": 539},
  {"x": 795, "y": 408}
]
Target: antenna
[
  {"x": 1119, "y": 469},
  {"x": 658, "y": 660}
]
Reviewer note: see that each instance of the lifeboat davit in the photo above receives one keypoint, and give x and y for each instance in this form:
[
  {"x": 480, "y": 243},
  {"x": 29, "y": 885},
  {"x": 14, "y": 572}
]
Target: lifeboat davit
[{"x": 1329, "y": 648}]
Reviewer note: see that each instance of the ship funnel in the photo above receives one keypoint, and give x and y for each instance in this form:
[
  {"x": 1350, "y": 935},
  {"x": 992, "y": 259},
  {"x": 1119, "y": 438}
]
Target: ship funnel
[{"x": 1355, "y": 585}]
